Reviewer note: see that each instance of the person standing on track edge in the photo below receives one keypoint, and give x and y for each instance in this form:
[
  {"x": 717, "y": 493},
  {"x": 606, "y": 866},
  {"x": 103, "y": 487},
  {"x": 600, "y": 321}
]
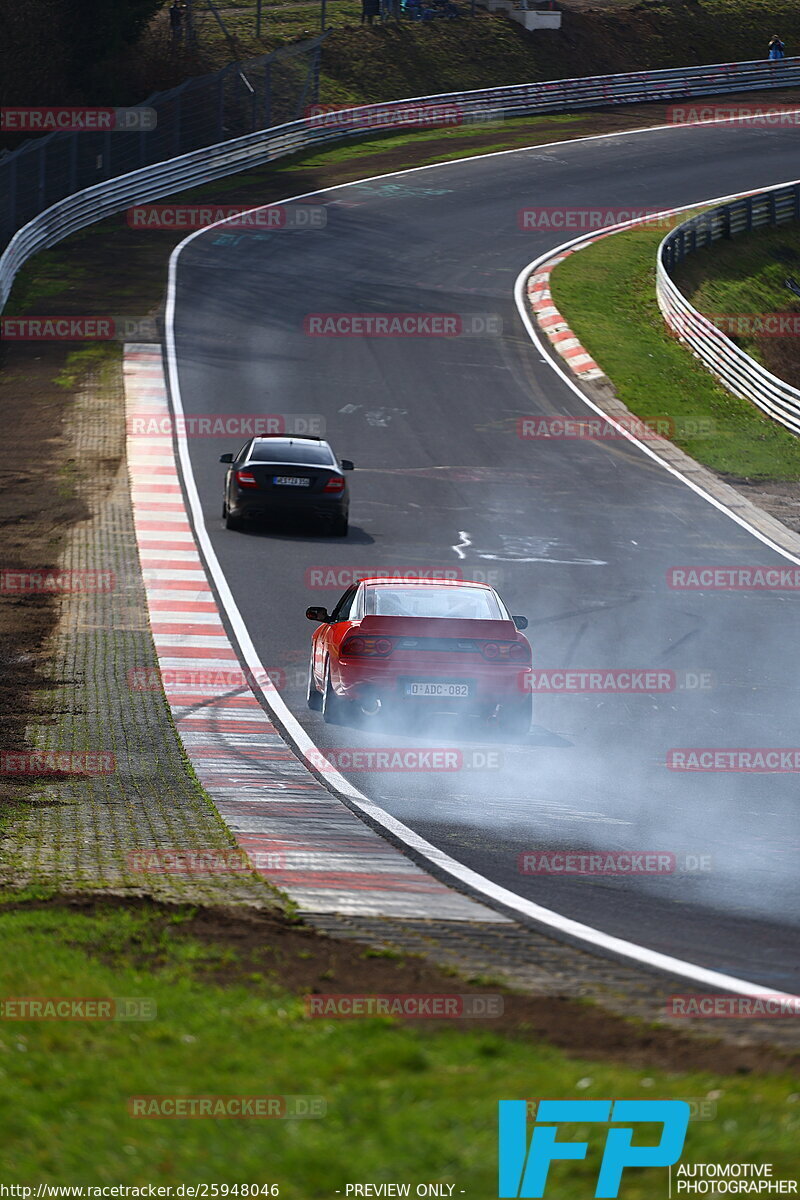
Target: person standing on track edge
[{"x": 776, "y": 48}]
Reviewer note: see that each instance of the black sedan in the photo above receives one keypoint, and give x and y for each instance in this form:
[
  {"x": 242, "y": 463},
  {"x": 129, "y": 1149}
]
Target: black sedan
[{"x": 287, "y": 478}]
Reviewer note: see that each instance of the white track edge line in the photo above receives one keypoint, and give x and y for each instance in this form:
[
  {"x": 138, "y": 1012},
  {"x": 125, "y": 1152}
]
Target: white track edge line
[{"x": 474, "y": 883}]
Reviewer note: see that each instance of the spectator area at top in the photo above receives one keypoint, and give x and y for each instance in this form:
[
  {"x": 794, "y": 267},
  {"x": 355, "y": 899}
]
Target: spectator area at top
[{"x": 532, "y": 14}]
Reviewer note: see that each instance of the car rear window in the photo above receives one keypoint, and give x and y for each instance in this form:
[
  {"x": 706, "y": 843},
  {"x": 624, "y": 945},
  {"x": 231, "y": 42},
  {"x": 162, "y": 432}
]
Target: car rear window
[
  {"x": 293, "y": 452},
  {"x": 463, "y": 603}
]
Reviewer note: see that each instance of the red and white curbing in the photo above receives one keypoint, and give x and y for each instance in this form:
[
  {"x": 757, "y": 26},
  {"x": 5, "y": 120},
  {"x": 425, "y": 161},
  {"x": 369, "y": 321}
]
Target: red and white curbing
[
  {"x": 297, "y": 835},
  {"x": 553, "y": 325}
]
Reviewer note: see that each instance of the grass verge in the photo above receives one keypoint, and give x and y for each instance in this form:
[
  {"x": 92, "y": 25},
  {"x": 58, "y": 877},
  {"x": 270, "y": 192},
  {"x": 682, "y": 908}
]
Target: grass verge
[
  {"x": 607, "y": 294},
  {"x": 746, "y": 277},
  {"x": 405, "y": 1101}
]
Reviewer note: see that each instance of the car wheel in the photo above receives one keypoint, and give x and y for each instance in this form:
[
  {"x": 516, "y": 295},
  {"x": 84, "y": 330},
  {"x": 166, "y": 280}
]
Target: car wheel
[
  {"x": 516, "y": 718},
  {"x": 339, "y": 527},
  {"x": 332, "y": 705},
  {"x": 232, "y": 522},
  {"x": 313, "y": 696}
]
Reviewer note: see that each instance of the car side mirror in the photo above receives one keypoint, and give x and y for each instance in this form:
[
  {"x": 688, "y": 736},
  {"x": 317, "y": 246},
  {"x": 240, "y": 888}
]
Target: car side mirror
[
  {"x": 520, "y": 622},
  {"x": 347, "y": 465},
  {"x": 320, "y": 615},
  {"x": 226, "y": 458}
]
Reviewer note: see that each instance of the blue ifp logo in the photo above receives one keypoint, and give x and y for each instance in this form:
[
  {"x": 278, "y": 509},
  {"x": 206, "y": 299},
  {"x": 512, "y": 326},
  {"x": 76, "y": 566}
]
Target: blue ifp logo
[{"x": 523, "y": 1170}]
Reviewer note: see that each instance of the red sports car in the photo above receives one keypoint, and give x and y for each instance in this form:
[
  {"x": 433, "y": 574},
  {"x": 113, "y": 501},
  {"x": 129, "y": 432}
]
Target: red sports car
[{"x": 391, "y": 643}]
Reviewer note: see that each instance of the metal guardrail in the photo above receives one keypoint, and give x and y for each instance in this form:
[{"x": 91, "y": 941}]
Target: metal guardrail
[
  {"x": 740, "y": 373},
  {"x": 226, "y": 158}
]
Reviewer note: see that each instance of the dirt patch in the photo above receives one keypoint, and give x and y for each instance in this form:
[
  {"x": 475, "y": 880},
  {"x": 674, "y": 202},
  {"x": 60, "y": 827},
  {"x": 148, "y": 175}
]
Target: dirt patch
[
  {"x": 780, "y": 498},
  {"x": 270, "y": 950},
  {"x": 36, "y": 508}
]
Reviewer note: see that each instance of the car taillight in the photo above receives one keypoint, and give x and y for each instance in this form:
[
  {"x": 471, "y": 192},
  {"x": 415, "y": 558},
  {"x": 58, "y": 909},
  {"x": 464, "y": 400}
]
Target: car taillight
[
  {"x": 334, "y": 484},
  {"x": 380, "y": 646},
  {"x": 245, "y": 479},
  {"x": 503, "y": 651}
]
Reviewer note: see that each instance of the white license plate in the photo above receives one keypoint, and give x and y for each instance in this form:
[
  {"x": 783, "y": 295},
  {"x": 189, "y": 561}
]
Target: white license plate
[
  {"x": 290, "y": 481},
  {"x": 426, "y": 688}
]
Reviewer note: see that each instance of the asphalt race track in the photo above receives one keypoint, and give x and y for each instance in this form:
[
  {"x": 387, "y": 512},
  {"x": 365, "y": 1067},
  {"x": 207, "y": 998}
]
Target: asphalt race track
[{"x": 576, "y": 534}]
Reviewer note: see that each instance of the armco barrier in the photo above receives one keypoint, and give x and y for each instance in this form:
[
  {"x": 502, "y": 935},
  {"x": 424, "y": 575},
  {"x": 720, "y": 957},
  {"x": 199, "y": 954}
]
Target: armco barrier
[
  {"x": 737, "y": 370},
  {"x": 214, "y": 162}
]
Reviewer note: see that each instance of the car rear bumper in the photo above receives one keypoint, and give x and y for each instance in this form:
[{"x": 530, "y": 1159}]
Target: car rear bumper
[
  {"x": 269, "y": 505},
  {"x": 487, "y": 684}
]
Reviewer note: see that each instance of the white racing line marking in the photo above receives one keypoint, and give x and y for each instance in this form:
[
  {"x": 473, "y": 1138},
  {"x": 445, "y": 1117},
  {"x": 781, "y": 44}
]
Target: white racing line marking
[
  {"x": 443, "y": 865},
  {"x": 461, "y": 546}
]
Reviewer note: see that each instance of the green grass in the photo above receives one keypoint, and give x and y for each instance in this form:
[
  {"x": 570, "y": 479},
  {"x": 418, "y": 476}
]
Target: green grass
[
  {"x": 403, "y": 1103},
  {"x": 96, "y": 356},
  {"x": 745, "y": 275},
  {"x": 607, "y": 295}
]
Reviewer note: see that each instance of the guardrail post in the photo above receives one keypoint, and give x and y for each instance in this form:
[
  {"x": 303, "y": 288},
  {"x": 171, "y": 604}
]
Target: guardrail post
[
  {"x": 176, "y": 124},
  {"x": 42, "y": 176},
  {"x": 314, "y": 96},
  {"x": 73, "y": 162},
  {"x": 12, "y": 195},
  {"x": 749, "y": 211},
  {"x": 221, "y": 106}
]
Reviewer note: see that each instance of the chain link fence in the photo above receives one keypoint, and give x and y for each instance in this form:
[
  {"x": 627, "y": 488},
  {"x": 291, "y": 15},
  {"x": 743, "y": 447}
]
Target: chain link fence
[{"x": 240, "y": 99}]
